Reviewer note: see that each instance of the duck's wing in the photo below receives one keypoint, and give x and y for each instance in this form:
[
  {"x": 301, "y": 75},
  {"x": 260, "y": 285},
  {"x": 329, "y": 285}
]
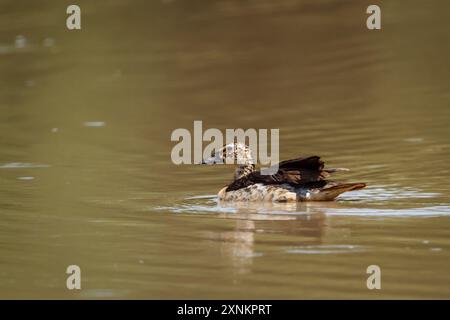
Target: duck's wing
[
  {"x": 311, "y": 163},
  {"x": 295, "y": 172}
]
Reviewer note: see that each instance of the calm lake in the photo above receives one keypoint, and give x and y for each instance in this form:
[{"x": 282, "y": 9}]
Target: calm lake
[{"x": 85, "y": 171}]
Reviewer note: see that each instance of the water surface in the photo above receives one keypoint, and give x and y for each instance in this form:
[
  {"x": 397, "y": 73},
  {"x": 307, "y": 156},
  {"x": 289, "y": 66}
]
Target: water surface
[{"x": 85, "y": 170}]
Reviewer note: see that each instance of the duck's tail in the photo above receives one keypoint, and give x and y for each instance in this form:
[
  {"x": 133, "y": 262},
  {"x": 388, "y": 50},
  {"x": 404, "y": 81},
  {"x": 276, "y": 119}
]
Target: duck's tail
[{"x": 330, "y": 193}]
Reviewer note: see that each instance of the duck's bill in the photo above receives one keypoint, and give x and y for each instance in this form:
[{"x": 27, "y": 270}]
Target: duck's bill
[
  {"x": 212, "y": 160},
  {"x": 209, "y": 161}
]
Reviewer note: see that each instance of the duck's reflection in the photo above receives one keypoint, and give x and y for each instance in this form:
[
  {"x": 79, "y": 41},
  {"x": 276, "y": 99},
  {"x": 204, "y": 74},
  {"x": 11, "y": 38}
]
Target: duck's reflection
[{"x": 261, "y": 229}]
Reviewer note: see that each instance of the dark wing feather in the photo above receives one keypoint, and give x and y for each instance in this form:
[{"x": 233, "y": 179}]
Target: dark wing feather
[
  {"x": 295, "y": 172},
  {"x": 312, "y": 163}
]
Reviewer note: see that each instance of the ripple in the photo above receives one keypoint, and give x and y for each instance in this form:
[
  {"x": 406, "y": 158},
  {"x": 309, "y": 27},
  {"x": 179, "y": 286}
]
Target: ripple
[
  {"x": 197, "y": 209},
  {"x": 94, "y": 124},
  {"x": 16, "y": 165},
  {"x": 208, "y": 204},
  {"x": 431, "y": 211},
  {"x": 25, "y": 178},
  {"x": 209, "y": 196},
  {"x": 327, "y": 249},
  {"x": 379, "y": 193}
]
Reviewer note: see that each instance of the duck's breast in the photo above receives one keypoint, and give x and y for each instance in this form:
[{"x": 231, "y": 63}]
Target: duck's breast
[{"x": 260, "y": 192}]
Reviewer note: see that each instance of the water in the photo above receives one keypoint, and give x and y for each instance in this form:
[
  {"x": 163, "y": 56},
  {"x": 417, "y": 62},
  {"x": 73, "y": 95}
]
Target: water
[{"x": 85, "y": 170}]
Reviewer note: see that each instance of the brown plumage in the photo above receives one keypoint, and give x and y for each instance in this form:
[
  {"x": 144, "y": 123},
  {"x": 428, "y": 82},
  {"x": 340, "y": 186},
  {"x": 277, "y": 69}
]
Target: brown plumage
[
  {"x": 294, "y": 172},
  {"x": 300, "y": 179}
]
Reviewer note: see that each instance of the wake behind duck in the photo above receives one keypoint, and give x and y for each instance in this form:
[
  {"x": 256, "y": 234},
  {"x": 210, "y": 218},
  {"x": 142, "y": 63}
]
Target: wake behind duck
[{"x": 299, "y": 179}]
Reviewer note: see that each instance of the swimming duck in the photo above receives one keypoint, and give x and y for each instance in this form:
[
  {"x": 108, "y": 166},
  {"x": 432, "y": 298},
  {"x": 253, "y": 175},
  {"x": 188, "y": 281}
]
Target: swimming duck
[{"x": 299, "y": 179}]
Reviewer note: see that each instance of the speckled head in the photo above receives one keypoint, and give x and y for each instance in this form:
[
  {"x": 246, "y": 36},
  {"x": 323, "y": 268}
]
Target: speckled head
[{"x": 232, "y": 153}]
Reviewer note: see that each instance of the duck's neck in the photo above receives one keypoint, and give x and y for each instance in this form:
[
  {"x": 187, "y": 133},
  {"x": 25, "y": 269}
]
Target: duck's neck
[{"x": 244, "y": 170}]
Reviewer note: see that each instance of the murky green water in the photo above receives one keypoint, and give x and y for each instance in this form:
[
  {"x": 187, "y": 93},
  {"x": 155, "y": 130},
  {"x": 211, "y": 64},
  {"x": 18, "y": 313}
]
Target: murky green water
[{"x": 85, "y": 170}]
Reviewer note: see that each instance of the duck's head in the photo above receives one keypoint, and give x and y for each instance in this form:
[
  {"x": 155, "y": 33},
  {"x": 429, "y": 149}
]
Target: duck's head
[{"x": 232, "y": 153}]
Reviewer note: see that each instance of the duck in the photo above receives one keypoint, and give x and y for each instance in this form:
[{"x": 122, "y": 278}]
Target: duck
[{"x": 296, "y": 180}]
